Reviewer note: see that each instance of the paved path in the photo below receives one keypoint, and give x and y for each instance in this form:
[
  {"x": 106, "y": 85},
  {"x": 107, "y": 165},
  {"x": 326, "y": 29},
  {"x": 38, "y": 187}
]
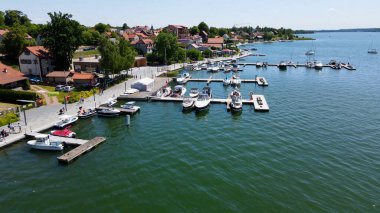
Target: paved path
[{"x": 44, "y": 93}]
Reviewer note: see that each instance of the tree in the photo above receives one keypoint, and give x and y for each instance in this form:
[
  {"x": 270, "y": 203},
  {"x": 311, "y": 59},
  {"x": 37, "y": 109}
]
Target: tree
[
  {"x": 194, "y": 30},
  {"x": 223, "y": 31},
  {"x": 35, "y": 29},
  {"x": 116, "y": 56},
  {"x": 203, "y": 27},
  {"x": 62, "y": 36},
  {"x": 2, "y": 19},
  {"x": 214, "y": 31},
  {"x": 15, "y": 17},
  {"x": 268, "y": 36},
  {"x": 91, "y": 37},
  {"x": 15, "y": 41},
  {"x": 181, "y": 55},
  {"x": 207, "y": 53},
  {"x": 194, "y": 55},
  {"x": 125, "y": 26},
  {"x": 166, "y": 43},
  {"x": 101, "y": 28}
]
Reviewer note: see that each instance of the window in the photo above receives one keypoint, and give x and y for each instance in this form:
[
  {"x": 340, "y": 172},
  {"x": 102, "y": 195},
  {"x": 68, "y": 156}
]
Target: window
[
  {"x": 35, "y": 62},
  {"x": 26, "y": 61}
]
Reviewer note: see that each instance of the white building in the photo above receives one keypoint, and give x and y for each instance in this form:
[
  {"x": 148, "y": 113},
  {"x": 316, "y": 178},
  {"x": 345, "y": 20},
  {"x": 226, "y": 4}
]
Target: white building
[
  {"x": 145, "y": 84},
  {"x": 36, "y": 60}
]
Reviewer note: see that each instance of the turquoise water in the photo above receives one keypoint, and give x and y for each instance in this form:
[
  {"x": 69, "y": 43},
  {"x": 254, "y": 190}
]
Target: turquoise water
[{"x": 316, "y": 150}]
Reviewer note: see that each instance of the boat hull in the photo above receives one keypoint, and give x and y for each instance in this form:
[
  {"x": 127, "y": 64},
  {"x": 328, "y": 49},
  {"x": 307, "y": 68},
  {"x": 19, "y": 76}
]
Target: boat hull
[{"x": 33, "y": 145}]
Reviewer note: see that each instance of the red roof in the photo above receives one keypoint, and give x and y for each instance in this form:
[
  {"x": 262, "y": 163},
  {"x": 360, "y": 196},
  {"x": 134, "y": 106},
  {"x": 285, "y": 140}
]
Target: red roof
[
  {"x": 39, "y": 51},
  {"x": 83, "y": 76},
  {"x": 9, "y": 75},
  {"x": 59, "y": 74},
  {"x": 129, "y": 36},
  {"x": 147, "y": 41},
  {"x": 212, "y": 45},
  {"x": 215, "y": 40},
  {"x": 177, "y": 26},
  {"x": 141, "y": 35}
]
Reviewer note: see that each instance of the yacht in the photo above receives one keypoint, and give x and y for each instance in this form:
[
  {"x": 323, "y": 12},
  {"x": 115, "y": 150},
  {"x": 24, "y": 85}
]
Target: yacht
[
  {"x": 179, "y": 91},
  {"x": 65, "y": 120},
  {"x": 236, "y": 101},
  {"x": 372, "y": 51},
  {"x": 164, "y": 92},
  {"x": 310, "y": 52},
  {"x": 188, "y": 103},
  {"x": 194, "y": 92},
  {"x": 111, "y": 102},
  {"x": 131, "y": 105},
  {"x": 235, "y": 80},
  {"x": 43, "y": 142},
  {"x": 282, "y": 65},
  {"x": 204, "y": 99},
  {"x": 318, "y": 65}
]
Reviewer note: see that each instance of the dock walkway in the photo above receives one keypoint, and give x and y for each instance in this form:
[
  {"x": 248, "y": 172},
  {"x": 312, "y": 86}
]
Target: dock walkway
[{"x": 80, "y": 150}]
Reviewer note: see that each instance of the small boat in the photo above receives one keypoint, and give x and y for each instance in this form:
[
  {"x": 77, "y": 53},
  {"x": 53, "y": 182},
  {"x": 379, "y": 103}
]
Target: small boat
[
  {"x": 180, "y": 79},
  {"x": 310, "y": 52},
  {"x": 372, "y": 51},
  {"x": 236, "y": 104},
  {"x": 204, "y": 67},
  {"x": 131, "y": 91},
  {"x": 63, "y": 133},
  {"x": 43, "y": 142},
  {"x": 254, "y": 49},
  {"x": 214, "y": 69},
  {"x": 194, "y": 92},
  {"x": 179, "y": 91},
  {"x": 131, "y": 105},
  {"x": 86, "y": 113},
  {"x": 186, "y": 75},
  {"x": 318, "y": 65},
  {"x": 111, "y": 102},
  {"x": 164, "y": 92},
  {"x": 66, "y": 120},
  {"x": 259, "y": 64},
  {"x": 226, "y": 81},
  {"x": 188, "y": 103},
  {"x": 282, "y": 65},
  {"x": 109, "y": 112},
  {"x": 204, "y": 100},
  {"x": 235, "y": 80}
]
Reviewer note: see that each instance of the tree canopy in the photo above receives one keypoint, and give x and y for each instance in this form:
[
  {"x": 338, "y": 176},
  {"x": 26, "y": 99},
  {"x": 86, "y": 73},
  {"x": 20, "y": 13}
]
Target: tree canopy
[
  {"x": 15, "y": 17},
  {"x": 194, "y": 30},
  {"x": 62, "y": 36},
  {"x": 203, "y": 27},
  {"x": 101, "y": 28},
  {"x": 15, "y": 41},
  {"x": 166, "y": 42}
]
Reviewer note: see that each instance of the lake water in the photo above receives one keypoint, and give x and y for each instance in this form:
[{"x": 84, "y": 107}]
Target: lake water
[{"x": 316, "y": 150}]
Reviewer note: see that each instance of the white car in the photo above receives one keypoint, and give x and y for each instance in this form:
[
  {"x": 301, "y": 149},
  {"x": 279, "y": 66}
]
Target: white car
[
  {"x": 59, "y": 87},
  {"x": 68, "y": 88}
]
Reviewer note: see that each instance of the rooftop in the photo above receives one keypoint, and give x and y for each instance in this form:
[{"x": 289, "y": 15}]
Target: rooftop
[
  {"x": 9, "y": 75},
  {"x": 83, "y": 76},
  {"x": 39, "y": 51},
  {"x": 59, "y": 74}
]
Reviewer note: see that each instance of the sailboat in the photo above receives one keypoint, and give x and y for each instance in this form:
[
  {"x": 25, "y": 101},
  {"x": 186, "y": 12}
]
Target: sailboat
[
  {"x": 372, "y": 50},
  {"x": 311, "y": 51}
]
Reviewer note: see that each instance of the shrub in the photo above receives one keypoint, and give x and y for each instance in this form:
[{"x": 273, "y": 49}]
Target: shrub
[
  {"x": 11, "y": 96},
  {"x": 8, "y": 118}
]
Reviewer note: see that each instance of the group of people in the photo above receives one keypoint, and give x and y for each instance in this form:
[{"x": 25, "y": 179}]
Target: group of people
[
  {"x": 3, "y": 134},
  {"x": 12, "y": 129}
]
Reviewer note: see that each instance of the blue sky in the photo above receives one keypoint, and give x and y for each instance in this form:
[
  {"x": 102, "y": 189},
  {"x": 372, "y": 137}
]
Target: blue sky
[{"x": 296, "y": 14}]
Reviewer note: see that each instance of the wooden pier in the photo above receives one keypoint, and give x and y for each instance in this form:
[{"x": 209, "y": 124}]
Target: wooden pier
[{"x": 80, "y": 150}]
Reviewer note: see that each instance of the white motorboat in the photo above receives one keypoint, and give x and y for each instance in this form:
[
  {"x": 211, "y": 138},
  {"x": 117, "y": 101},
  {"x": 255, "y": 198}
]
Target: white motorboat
[
  {"x": 204, "y": 67},
  {"x": 203, "y": 102},
  {"x": 318, "y": 65},
  {"x": 259, "y": 64},
  {"x": 131, "y": 91},
  {"x": 180, "y": 79},
  {"x": 164, "y": 92},
  {"x": 108, "y": 112},
  {"x": 188, "y": 103},
  {"x": 194, "y": 92},
  {"x": 111, "y": 102},
  {"x": 372, "y": 51},
  {"x": 236, "y": 101},
  {"x": 43, "y": 142},
  {"x": 226, "y": 81},
  {"x": 66, "y": 120},
  {"x": 310, "y": 52},
  {"x": 186, "y": 75},
  {"x": 130, "y": 105},
  {"x": 87, "y": 113},
  {"x": 179, "y": 91},
  {"x": 235, "y": 80}
]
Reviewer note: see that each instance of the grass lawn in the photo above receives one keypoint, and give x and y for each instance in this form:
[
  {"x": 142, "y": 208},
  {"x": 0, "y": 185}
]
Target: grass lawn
[
  {"x": 87, "y": 53},
  {"x": 7, "y": 105},
  {"x": 74, "y": 95}
]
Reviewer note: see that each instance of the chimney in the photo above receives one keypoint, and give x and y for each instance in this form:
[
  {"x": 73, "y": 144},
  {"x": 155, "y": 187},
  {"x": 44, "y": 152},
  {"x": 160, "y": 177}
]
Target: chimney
[{"x": 5, "y": 70}]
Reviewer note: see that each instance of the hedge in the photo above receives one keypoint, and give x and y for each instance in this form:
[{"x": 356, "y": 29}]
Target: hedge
[{"x": 11, "y": 96}]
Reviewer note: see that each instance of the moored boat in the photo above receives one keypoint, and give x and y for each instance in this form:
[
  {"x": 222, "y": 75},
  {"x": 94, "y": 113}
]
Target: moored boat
[
  {"x": 64, "y": 133},
  {"x": 204, "y": 99},
  {"x": 235, "y": 80},
  {"x": 194, "y": 92},
  {"x": 236, "y": 104},
  {"x": 86, "y": 113},
  {"x": 66, "y": 120},
  {"x": 108, "y": 112},
  {"x": 111, "y": 102},
  {"x": 226, "y": 81},
  {"x": 43, "y": 142},
  {"x": 318, "y": 65},
  {"x": 130, "y": 105},
  {"x": 179, "y": 91},
  {"x": 188, "y": 103},
  {"x": 282, "y": 65}
]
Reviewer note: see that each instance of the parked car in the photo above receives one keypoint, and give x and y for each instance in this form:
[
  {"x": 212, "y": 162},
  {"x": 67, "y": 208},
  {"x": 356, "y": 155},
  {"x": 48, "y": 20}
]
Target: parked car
[
  {"x": 34, "y": 80},
  {"x": 59, "y": 87},
  {"x": 68, "y": 88}
]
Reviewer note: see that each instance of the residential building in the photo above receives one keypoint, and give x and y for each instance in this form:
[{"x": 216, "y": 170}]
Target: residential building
[
  {"x": 131, "y": 37},
  {"x": 144, "y": 46},
  {"x": 178, "y": 30},
  {"x": 88, "y": 64},
  {"x": 11, "y": 78},
  {"x": 36, "y": 60},
  {"x": 197, "y": 39},
  {"x": 60, "y": 77},
  {"x": 217, "y": 42},
  {"x": 85, "y": 79}
]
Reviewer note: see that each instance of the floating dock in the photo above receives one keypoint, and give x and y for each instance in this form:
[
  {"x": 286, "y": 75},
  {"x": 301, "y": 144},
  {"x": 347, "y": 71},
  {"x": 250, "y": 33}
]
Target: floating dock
[
  {"x": 122, "y": 110},
  {"x": 261, "y": 81},
  {"x": 68, "y": 141},
  {"x": 259, "y": 103},
  {"x": 80, "y": 150},
  {"x": 209, "y": 80}
]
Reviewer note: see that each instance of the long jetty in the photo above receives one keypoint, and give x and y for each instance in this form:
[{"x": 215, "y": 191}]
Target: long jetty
[{"x": 80, "y": 150}]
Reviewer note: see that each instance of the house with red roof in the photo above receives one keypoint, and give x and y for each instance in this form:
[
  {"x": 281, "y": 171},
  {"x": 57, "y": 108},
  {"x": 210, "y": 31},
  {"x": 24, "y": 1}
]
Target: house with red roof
[
  {"x": 11, "y": 78},
  {"x": 85, "y": 79},
  {"x": 178, "y": 30},
  {"x": 217, "y": 42},
  {"x": 144, "y": 46},
  {"x": 131, "y": 37},
  {"x": 3, "y": 32},
  {"x": 36, "y": 61}
]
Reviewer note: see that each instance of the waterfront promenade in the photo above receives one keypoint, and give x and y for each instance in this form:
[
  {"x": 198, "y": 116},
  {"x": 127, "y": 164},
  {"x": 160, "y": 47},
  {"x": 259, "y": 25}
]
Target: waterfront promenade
[{"x": 42, "y": 118}]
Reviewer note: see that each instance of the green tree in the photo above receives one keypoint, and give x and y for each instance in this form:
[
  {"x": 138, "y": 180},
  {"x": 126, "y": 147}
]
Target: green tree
[
  {"x": 101, "y": 28},
  {"x": 15, "y": 17},
  {"x": 166, "y": 43},
  {"x": 214, "y": 31},
  {"x": 35, "y": 29},
  {"x": 125, "y": 26},
  {"x": 203, "y": 27},
  {"x": 222, "y": 31},
  {"x": 2, "y": 18},
  {"x": 62, "y": 36},
  {"x": 91, "y": 37},
  {"x": 194, "y": 55},
  {"x": 15, "y": 41},
  {"x": 194, "y": 30},
  {"x": 116, "y": 56},
  {"x": 181, "y": 55},
  {"x": 268, "y": 36},
  {"x": 207, "y": 53}
]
